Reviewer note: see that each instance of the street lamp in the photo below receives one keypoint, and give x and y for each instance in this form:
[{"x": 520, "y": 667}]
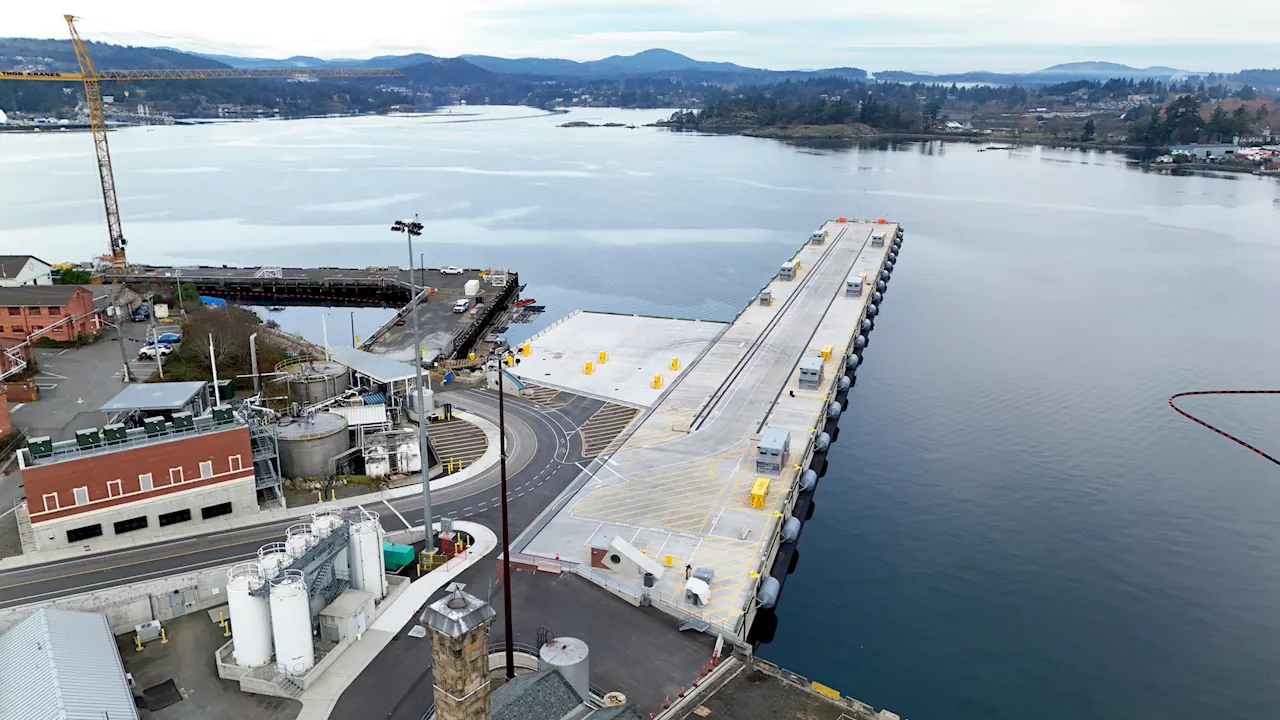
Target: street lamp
[
  {"x": 413, "y": 228},
  {"x": 506, "y": 538}
]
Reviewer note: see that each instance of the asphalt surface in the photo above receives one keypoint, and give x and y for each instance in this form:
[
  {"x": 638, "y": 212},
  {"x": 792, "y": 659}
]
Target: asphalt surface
[{"x": 544, "y": 455}]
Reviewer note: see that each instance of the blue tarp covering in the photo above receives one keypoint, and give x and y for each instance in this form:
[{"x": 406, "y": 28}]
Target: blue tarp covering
[
  {"x": 375, "y": 399},
  {"x": 213, "y": 301}
]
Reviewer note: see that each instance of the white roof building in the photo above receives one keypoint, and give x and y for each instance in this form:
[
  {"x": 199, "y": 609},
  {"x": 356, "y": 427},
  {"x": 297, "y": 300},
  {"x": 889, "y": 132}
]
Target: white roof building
[
  {"x": 63, "y": 665},
  {"x": 18, "y": 270}
]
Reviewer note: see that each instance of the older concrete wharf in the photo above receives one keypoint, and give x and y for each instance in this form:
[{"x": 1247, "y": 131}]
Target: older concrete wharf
[
  {"x": 677, "y": 485},
  {"x": 443, "y": 334}
]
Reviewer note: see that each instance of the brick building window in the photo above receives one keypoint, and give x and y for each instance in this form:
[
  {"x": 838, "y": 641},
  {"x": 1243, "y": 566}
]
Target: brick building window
[
  {"x": 206, "y": 469},
  {"x": 114, "y": 489},
  {"x": 17, "y": 330},
  {"x": 175, "y": 475},
  {"x": 36, "y": 328},
  {"x": 15, "y": 311},
  {"x": 131, "y": 524},
  {"x": 234, "y": 463},
  {"x": 50, "y": 502},
  {"x": 82, "y": 495},
  {"x": 33, "y": 311},
  {"x": 54, "y": 312},
  {"x": 176, "y": 516},
  {"x": 213, "y": 511},
  {"x": 84, "y": 533},
  {"x": 144, "y": 482}
]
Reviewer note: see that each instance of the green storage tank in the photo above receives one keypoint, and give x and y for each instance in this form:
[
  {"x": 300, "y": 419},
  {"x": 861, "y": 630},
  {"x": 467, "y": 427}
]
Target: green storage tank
[{"x": 395, "y": 557}]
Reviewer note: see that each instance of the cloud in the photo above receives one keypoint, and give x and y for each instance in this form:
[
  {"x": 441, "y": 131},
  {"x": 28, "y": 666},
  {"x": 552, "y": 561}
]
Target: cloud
[{"x": 816, "y": 33}]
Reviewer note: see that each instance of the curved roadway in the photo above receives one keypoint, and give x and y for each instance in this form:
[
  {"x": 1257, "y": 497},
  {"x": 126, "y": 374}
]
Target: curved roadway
[{"x": 543, "y": 456}]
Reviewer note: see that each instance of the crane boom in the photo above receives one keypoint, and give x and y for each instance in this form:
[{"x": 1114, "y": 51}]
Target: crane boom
[
  {"x": 90, "y": 76},
  {"x": 205, "y": 74}
]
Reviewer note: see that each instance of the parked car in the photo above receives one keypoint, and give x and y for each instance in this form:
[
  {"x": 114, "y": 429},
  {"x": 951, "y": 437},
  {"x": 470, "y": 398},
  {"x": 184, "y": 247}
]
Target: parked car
[
  {"x": 169, "y": 338},
  {"x": 462, "y": 305},
  {"x": 149, "y": 352},
  {"x": 451, "y": 270},
  {"x": 141, "y": 313}
]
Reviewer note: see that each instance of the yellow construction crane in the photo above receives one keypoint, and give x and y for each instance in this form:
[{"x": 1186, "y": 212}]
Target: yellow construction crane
[{"x": 97, "y": 120}]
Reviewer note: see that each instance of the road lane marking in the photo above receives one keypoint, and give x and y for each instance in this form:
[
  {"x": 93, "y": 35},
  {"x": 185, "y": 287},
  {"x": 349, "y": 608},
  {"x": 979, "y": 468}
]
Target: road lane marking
[{"x": 108, "y": 568}]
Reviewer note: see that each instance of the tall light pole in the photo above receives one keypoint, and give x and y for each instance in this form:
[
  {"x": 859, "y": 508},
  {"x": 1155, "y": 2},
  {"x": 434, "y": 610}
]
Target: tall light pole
[
  {"x": 506, "y": 537},
  {"x": 413, "y": 228}
]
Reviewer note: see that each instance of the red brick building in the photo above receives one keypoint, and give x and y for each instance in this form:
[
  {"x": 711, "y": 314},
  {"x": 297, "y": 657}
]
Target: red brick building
[
  {"x": 145, "y": 483},
  {"x": 30, "y": 308}
]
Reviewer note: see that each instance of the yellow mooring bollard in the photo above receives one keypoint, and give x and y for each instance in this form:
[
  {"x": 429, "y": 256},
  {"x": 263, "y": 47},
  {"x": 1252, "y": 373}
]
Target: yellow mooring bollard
[
  {"x": 675, "y": 363},
  {"x": 604, "y": 356},
  {"x": 657, "y": 381},
  {"x": 164, "y": 636},
  {"x": 137, "y": 640},
  {"x": 226, "y": 629}
]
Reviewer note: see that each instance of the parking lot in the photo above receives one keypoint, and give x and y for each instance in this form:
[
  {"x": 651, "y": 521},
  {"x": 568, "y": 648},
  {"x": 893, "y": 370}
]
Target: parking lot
[{"x": 75, "y": 382}]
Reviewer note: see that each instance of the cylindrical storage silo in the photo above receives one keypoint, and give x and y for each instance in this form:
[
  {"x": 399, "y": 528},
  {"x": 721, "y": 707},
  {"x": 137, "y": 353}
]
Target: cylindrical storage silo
[
  {"x": 308, "y": 443},
  {"x": 298, "y": 540},
  {"x": 571, "y": 657},
  {"x": 316, "y": 380},
  {"x": 250, "y": 615},
  {"x": 324, "y": 520},
  {"x": 291, "y": 623},
  {"x": 273, "y": 557},
  {"x": 411, "y": 402},
  {"x": 365, "y": 554}
]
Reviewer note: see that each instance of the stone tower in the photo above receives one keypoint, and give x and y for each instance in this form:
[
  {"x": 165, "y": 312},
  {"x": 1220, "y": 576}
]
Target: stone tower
[{"x": 459, "y": 625}]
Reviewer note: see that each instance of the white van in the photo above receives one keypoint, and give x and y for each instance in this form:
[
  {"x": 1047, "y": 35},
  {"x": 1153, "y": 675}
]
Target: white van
[{"x": 462, "y": 305}]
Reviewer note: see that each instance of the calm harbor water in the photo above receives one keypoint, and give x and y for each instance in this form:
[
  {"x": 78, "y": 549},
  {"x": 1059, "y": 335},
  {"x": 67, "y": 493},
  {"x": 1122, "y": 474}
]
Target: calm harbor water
[{"x": 1014, "y": 525}]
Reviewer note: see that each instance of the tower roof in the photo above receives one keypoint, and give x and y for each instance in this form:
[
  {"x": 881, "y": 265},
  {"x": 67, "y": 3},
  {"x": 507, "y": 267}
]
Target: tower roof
[{"x": 457, "y": 612}]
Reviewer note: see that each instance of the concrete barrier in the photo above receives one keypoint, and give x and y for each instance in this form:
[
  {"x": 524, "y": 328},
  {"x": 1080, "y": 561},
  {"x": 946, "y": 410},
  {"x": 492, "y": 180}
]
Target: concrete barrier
[{"x": 128, "y": 605}]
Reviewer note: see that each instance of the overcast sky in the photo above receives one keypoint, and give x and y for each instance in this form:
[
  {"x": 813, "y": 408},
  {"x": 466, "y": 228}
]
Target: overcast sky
[{"x": 927, "y": 35}]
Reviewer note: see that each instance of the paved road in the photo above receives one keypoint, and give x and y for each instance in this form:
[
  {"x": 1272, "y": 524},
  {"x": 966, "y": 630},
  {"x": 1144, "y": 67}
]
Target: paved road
[{"x": 543, "y": 457}]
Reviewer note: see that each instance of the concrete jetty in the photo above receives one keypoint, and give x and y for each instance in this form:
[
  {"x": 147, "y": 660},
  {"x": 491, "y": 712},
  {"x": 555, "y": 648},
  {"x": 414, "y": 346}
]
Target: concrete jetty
[{"x": 682, "y": 486}]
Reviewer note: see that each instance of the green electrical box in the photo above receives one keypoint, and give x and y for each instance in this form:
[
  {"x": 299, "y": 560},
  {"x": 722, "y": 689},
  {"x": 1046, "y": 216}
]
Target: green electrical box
[
  {"x": 226, "y": 390},
  {"x": 40, "y": 446},
  {"x": 89, "y": 437},
  {"x": 223, "y": 414},
  {"x": 155, "y": 426},
  {"x": 183, "y": 421},
  {"x": 114, "y": 433}
]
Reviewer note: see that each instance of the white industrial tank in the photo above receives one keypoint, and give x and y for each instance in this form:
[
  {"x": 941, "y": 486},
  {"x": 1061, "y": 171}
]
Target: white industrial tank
[
  {"x": 324, "y": 520},
  {"x": 377, "y": 462},
  {"x": 409, "y": 455},
  {"x": 570, "y": 656},
  {"x": 273, "y": 557},
  {"x": 298, "y": 540},
  {"x": 364, "y": 551},
  {"x": 291, "y": 623},
  {"x": 250, "y": 615}
]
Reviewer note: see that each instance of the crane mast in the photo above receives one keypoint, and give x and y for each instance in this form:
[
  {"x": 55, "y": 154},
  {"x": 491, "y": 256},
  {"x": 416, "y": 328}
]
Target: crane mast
[{"x": 98, "y": 125}]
